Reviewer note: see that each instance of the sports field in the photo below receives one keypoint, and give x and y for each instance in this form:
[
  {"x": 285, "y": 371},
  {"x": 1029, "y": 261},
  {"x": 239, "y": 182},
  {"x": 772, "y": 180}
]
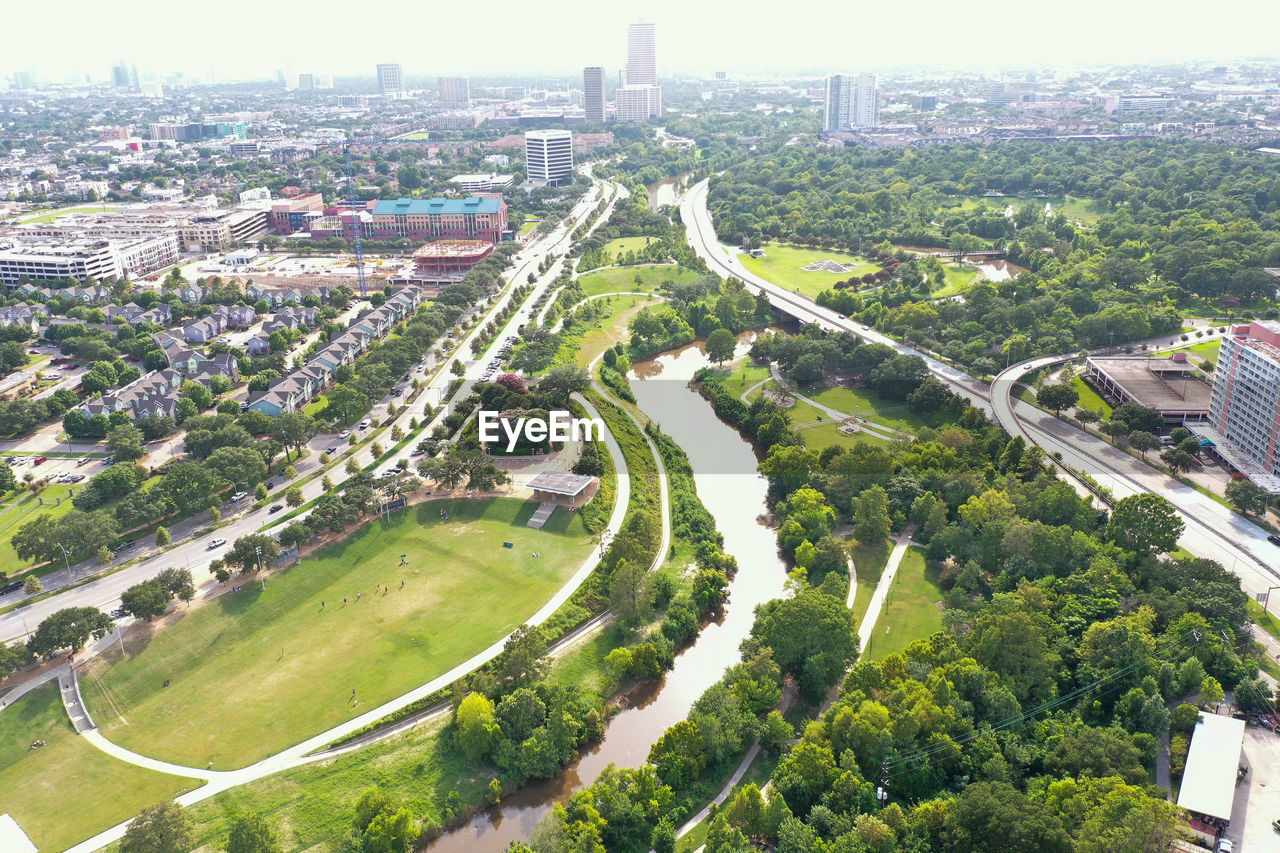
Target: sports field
[
  {"x": 68, "y": 789},
  {"x": 784, "y": 265},
  {"x": 19, "y": 508},
  {"x": 911, "y": 611},
  {"x": 260, "y": 670}
]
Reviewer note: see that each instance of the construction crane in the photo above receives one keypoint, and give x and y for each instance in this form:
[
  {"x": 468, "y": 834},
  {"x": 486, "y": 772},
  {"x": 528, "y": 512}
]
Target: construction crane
[{"x": 355, "y": 231}]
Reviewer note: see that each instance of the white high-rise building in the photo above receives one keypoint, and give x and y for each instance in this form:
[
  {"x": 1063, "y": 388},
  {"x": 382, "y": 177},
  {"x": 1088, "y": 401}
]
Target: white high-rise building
[
  {"x": 642, "y": 55},
  {"x": 391, "y": 79},
  {"x": 851, "y": 102},
  {"x": 593, "y": 93},
  {"x": 637, "y": 103},
  {"x": 455, "y": 92},
  {"x": 548, "y": 155}
]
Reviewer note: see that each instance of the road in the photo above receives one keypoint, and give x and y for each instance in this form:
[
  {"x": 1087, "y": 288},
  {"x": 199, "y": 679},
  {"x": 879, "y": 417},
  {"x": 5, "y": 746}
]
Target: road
[{"x": 104, "y": 593}]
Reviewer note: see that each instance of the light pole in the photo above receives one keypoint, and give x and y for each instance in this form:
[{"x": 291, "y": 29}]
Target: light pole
[
  {"x": 1267, "y": 596},
  {"x": 262, "y": 570},
  {"x": 66, "y": 558}
]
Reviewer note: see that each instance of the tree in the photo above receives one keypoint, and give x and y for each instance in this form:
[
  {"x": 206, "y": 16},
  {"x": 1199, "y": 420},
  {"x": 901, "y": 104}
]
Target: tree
[
  {"x": 257, "y": 550},
  {"x": 289, "y": 472},
  {"x": 69, "y": 628},
  {"x": 251, "y": 834},
  {"x": 125, "y": 443},
  {"x": 145, "y": 600},
  {"x": 564, "y": 380},
  {"x": 189, "y": 486},
  {"x": 293, "y": 496},
  {"x": 198, "y": 394},
  {"x": 995, "y": 817},
  {"x": 1211, "y": 693},
  {"x": 260, "y": 492},
  {"x": 296, "y": 429},
  {"x": 1145, "y": 523},
  {"x": 32, "y": 585},
  {"x": 8, "y": 482},
  {"x": 1114, "y": 429},
  {"x": 1245, "y": 495},
  {"x": 630, "y": 594},
  {"x": 162, "y": 536},
  {"x": 345, "y": 404},
  {"x": 477, "y": 726},
  {"x": 1057, "y": 397},
  {"x": 871, "y": 523},
  {"x": 1177, "y": 459},
  {"x": 243, "y": 466},
  {"x": 163, "y": 828},
  {"x": 812, "y": 637},
  {"x": 1143, "y": 442},
  {"x": 720, "y": 345}
]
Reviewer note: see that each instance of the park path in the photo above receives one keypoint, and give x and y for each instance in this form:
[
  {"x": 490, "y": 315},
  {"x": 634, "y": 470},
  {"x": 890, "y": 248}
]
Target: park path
[
  {"x": 38, "y": 680},
  {"x": 879, "y": 430},
  {"x": 901, "y": 542},
  {"x": 310, "y": 750}
]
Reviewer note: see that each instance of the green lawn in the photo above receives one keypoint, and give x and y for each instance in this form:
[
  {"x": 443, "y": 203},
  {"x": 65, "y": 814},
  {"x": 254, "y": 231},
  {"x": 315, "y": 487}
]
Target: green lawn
[
  {"x": 68, "y": 790},
  {"x": 958, "y": 279},
  {"x": 311, "y": 807},
  {"x": 783, "y": 266},
  {"x": 911, "y": 610},
  {"x": 260, "y": 670},
  {"x": 51, "y": 215},
  {"x": 869, "y": 405},
  {"x": 530, "y": 223},
  {"x": 612, "y": 326},
  {"x": 316, "y": 406},
  {"x": 622, "y": 279},
  {"x": 868, "y": 562},
  {"x": 1206, "y": 349},
  {"x": 1089, "y": 398},
  {"x": 615, "y": 249},
  {"x": 744, "y": 376},
  {"x": 1081, "y": 210}
]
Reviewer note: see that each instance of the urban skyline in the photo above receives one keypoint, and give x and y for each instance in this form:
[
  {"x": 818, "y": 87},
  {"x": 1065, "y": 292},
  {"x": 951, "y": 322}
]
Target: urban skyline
[{"x": 790, "y": 44}]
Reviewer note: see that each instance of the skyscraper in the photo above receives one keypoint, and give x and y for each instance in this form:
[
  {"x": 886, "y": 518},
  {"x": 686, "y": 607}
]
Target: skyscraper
[
  {"x": 642, "y": 55},
  {"x": 593, "y": 93},
  {"x": 851, "y": 102},
  {"x": 307, "y": 82},
  {"x": 24, "y": 80},
  {"x": 548, "y": 155},
  {"x": 391, "y": 79},
  {"x": 125, "y": 76},
  {"x": 455, "y": 93}
]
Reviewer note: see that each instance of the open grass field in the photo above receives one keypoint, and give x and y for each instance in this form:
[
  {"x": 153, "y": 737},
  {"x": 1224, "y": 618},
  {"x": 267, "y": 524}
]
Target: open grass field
[
  {"x": 615, "y": 249},
  {"x": 259, "y": 670},
  {"x": 868, "y": 562},
  {"x": 530, "y": 223},
  {"x": 51, "y": 215},
  {"x": 783, "y": 266},
  {"x": 958, "y": 279},
  {"x": 621, "y": 279},
  {"x": 1089, "y": 398},
  {"x": 21, "y": 507},
  {"x": 1080, "y": 210},
  {"x": 743, "y": 377},
  {"x": 612, "y": 326},
  {"x": 312, "y": 806},
  {"x": 867, "y": 404},
  {"x": 911, "y": 610},
  {"x": 68, "y": 790},
  {"x": 1206, "y": 349}
]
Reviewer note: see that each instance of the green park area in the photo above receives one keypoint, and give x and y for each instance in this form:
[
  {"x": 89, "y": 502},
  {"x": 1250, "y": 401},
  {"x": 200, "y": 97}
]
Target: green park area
[
  {"x": 957, "y": 278},
  {"x": 612, "y": 326},
  {"x": 261, "y": 669},
  {"x": 865, "y": 403},
  {"x": 744, "y": 376},
  {"x": 530, "y": 223},
  {"x": 1084, "y": 211},
  {"x": 19, "y": 508},
  {"x": 68, "y": 789},
  {"x": 622, "y": 279},
  {"x": 784, "y": 266},
  {"x": 1205, "y": 349},
  {"x": 869, "y": 562},
  {"x": 51, "y": 215},
  {"x": 1089, "y": 398},
  {"x": 615, "y": 249},
  {"x": 912, "y": 610}
]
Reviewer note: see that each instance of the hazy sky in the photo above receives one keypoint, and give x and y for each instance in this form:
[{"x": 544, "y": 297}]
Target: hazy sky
[{"x": 252, "y": 38}]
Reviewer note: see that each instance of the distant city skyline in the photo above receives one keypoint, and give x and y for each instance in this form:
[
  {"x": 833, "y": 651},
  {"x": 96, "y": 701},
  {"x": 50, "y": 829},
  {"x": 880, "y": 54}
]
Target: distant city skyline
[{"x": 811, "y": 38}]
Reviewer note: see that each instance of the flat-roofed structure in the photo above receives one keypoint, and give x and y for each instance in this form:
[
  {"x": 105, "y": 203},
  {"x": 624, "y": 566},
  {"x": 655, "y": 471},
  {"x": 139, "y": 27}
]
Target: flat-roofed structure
[
  {"x": 1209, "y": 782},
  {"x": 563, "y": 489},
  {"x": 1165, "y": 383},
  {"x": 449, "y": 260}
]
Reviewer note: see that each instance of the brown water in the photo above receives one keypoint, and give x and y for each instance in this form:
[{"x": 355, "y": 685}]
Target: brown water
[
  {"x": 665, "y": 191},
  {"x": 725, "y": 472}
]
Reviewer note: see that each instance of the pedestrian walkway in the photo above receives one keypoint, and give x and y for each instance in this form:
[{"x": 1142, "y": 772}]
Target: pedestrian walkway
[
  {"x": 540, "y": 515},
  {"x": 69, "y": 683},
  {"x": 900, "y": 544},
  {"x": 30, "y": 684}
]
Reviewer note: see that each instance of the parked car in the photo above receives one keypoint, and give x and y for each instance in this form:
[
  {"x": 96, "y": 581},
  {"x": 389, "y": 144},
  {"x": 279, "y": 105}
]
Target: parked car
[
  {"x": 1225, "y": 845},
  {"x": 80, "y": 462},
  {"x": 276, "y": 508},
  {"x": 40, "y": 460},
  {"x": 216, "y": 543},
  {"x": 118, "y": 613}
]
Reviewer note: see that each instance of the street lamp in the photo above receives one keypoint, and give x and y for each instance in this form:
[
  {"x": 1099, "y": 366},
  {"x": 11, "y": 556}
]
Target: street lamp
[
  {"x": 66, "y": 558},
  {"x": 262, "y": 576}
]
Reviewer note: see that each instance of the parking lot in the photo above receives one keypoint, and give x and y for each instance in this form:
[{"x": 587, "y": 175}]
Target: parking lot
[{"x": 496, "y": 363}]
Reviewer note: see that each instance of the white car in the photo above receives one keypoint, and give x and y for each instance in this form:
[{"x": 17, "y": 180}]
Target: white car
[
  {"x": 365, "y": 424},
  {"x": 239, "y": 496},
  {"x": 216, "y": 543},
  {"x": 345, "y": 433}
]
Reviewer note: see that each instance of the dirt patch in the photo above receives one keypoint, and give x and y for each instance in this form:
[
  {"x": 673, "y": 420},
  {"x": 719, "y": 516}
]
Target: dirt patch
[{"x": 781, "y": 398}]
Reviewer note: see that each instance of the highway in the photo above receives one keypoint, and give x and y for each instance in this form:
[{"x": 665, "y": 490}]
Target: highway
[
  {"x": 1213, "y": 531},
  {"x": 104, "y": 593}
]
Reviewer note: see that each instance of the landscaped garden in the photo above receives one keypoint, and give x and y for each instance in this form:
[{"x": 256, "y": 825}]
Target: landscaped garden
[
  {"x": 785, "y": 266},
  {"x": 334, "y": 636}
]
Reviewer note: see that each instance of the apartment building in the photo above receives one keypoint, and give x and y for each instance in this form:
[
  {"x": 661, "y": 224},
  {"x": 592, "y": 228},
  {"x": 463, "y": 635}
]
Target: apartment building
[{"x": 1244, "y": 409}]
